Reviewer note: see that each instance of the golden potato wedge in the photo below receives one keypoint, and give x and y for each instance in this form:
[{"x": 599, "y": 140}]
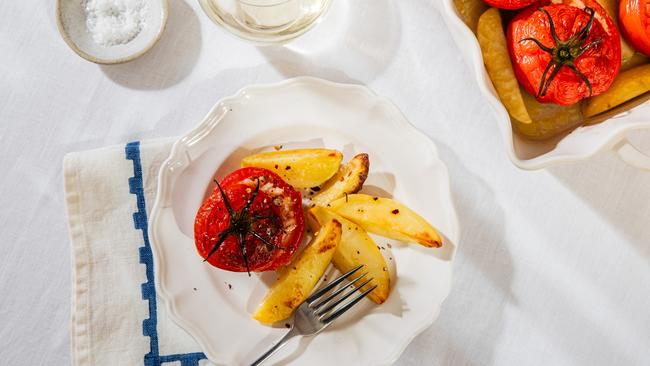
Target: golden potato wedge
[
  {"x": 469, "y": 11},
  {"x": 492, "y": 39},
  {"x": 387, "y": 217},
  {"x": 298, "y": 279},
  {"x": 611, "y": 8},
  {"x": 637, "y": 59},
  {"x": 356, "y": 248},
  {"x": 302, "y": 168},
  {"x": 349, "y": 179},
  {"x": 627, "y": 85},
  {"x": 548, "y": 119}
]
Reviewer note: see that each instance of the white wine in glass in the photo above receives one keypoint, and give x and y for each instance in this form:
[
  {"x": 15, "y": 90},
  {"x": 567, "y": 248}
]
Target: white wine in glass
[{"x": 266, "y": 21}]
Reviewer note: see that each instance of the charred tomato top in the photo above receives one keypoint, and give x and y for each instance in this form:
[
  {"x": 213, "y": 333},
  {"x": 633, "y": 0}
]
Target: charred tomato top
[
  {"x": 564, "y": 52},
  {"x": 252, "y": 221}
]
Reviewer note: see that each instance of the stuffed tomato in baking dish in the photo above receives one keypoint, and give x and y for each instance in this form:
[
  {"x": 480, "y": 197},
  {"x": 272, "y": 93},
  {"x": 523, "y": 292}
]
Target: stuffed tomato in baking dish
[{"x": 560, "y": 64}]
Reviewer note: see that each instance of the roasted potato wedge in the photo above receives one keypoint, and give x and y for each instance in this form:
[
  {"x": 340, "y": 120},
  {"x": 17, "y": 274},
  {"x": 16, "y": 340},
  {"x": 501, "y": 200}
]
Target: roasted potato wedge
[
  {"x": 637, "y": 59},
  {"x": 492, "y": 40},
  {"x": 387, "y": 217},
  {"x": 627, "y": 85},
  {"x": 548, "y": 119},
  {"x": 349, "y": 179},
  {"x": 297, "y": 280},
  {"x": 469, "y": 11},
  {"x": 302, "y": 168},
  {"x": 356, "y": 248}
]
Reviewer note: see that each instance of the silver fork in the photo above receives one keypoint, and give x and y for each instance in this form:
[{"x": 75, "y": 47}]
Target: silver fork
[{"x": 317, "y": 312}]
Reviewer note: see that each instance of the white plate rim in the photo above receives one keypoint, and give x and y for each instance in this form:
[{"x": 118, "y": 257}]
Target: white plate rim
[{"x": 211, "y": 120}]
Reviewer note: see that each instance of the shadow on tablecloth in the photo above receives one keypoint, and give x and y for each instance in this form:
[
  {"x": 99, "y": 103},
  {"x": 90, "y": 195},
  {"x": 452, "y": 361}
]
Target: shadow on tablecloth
[
  {"x": 170, "y": 60},
  {"x": 360, "y": 37},
  {"x": 618, "y": 192},
  {"x": 472, "y": 317}
]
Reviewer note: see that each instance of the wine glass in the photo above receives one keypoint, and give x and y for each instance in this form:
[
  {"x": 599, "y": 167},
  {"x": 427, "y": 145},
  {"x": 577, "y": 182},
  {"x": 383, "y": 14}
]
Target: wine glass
[{"x": 266, "y": 21}]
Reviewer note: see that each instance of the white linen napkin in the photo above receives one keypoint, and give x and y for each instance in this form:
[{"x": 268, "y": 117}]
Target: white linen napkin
[{"x": 117, "y": 319}]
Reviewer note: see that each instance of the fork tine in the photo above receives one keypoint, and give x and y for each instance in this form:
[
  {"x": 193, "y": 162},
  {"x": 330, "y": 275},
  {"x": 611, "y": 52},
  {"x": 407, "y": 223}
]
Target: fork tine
[
  {"x": 338, "y": 291},
  {"x": 345, "y": 296},
  {"x": 347, "y": 306},
  {"x": 325, "y": 289}
]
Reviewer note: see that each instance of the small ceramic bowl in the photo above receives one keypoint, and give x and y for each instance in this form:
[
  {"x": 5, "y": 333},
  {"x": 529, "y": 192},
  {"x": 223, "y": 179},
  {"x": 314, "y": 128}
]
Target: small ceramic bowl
[{"x": 71, "y": 21}]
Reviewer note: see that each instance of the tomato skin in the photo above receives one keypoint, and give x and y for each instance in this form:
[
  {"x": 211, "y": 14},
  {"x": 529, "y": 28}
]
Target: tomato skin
[
  {"x": 633, "y": 16},
  {"x": 510, "y": 4},
  {"x": 600, "y": 64},
  {"x": 285, "y": 231}
]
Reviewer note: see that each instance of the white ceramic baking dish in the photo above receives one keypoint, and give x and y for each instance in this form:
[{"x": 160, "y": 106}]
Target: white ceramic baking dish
[{"x": 581, "y": 143}]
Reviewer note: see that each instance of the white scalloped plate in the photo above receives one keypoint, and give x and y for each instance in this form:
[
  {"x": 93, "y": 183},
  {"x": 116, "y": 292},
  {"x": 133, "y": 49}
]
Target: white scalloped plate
[{"x": 302, "y": 112}]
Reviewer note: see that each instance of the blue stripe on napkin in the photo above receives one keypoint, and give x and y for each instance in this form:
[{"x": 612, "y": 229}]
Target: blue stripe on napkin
[{"x": 149, "y": 325}]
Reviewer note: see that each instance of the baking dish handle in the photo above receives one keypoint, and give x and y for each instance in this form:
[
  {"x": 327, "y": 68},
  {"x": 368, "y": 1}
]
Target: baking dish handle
[{"x": 632, "y": 156}]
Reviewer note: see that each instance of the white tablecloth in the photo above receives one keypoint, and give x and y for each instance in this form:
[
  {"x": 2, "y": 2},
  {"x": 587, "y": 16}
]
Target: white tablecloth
[{"x": 553, "y": 268}]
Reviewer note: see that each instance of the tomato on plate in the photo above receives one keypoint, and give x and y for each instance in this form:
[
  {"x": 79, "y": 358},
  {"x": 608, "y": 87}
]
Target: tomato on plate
[
  {"x": 510, "y": 4},
  {"x": 564, "y": 52},
  {"x": 252, "y": 222},
  {"x": 635, "y": 21}
]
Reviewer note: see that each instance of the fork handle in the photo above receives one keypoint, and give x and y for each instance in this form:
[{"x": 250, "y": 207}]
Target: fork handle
[{"x": 290, "y": 334}]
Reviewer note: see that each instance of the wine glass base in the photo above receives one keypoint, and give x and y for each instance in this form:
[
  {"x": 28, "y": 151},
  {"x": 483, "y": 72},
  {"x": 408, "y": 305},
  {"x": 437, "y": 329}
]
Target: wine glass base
[{"x": 278, "y": 22}]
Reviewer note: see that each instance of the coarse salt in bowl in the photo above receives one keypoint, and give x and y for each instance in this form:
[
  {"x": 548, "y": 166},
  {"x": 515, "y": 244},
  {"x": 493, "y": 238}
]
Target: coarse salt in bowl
[{"x": 111, "y": 31}]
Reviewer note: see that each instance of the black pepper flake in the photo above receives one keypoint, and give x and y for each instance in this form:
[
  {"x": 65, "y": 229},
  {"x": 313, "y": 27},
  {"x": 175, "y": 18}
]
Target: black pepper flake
[
  {"x": 315, "y": 189},
  {"x": 194, "y": 288},
  {"x": 287, "y": 325},
  {"x": 395, "y": 211},
  {"x": 229, "y": 287},
  {"x": 288, "y": 167},
  {"x": 276, "y": 166},
  {"x": 375, "y": 198},
  {"x": 358, "y": 252}
]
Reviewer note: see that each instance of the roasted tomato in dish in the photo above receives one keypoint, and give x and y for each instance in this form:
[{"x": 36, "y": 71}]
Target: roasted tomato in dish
[
  {"x": 510, "y": 4},
  {"x": 635, "y": 23},
  {"x": 564, "y": 52},
  {"x": 252, "y": 222}
]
